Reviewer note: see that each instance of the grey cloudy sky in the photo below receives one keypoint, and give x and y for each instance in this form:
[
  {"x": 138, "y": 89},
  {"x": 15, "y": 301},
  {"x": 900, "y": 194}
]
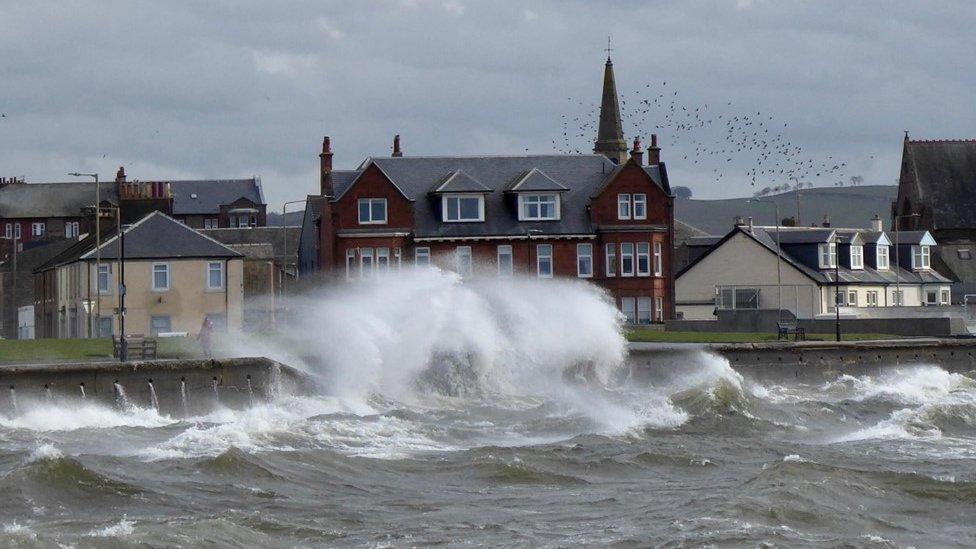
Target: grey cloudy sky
[{"x": 239, "y": 88}]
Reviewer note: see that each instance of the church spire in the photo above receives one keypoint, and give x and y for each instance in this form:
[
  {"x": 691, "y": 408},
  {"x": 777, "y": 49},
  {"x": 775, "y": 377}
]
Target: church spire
[{"x": 610, "y": 137}]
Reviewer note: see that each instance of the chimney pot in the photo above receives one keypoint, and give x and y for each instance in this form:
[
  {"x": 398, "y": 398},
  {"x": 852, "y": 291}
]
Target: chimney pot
[
  {"x": 325, "y": 167},
  {"x": 120, "y": 175},
  {"x": 637, "y": 153},
  {"x": 396, "y": 146},
  {"x": 876, "y": 224}
]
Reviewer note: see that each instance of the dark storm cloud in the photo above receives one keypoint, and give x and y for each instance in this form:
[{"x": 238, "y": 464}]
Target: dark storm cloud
[{"x": 224, "y": 89}]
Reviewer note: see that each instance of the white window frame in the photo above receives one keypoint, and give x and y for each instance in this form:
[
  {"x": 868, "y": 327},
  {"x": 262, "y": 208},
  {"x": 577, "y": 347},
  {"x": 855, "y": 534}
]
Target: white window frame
[
  {"x": 623, "y": 206},
  {"x": 659, "y": 308},
  {"x": 38, "y": 228},
  {"x": 610, "y": 259},
  {"x": 370, "y": 219},
  {"x": 463, "y": 262},
  {"x": 72, "y": 229},
  {"x": 921, "y": 257},
  {"x": 526, "y": 201},
  {"x": 851, "y": 298},
  {"x": 540, "y": 256},
  {"x": 871, "y": 298},
  {"x": 505, "y": 250},
  {"x": 211, "y": 223},
  {"x": 350, "y": 263},
  {"x": 934, "y": 294},
  {"x": 364, "y": 254},
  {"x": 166, "y": 271},
  {"x": 220, "y": 269},
  {"x": 857, "y": 257},
  {"x": 643, "y": 316},
  {"x": 828, "y": 255},
  {"x": 628, "y": 306},
  {"x": 382, "y": 256},
  {"x": 106, "y": 270},
  {"x": 898, "y": 298},
  {"x": 8, "y": 231},
  {"x": 883, "y": 264},
  {"x": 945, "y": 296},
  {"x": 584, "y": 260},
  {"x": 640, "y": 199},
  {"x": 421, "y": 255},
  {"x": 17, "y": 233},
  {"x": 446, "y": 209},
  {"x": 643, "y": 263},
  {"x": 625, "y": 256}
]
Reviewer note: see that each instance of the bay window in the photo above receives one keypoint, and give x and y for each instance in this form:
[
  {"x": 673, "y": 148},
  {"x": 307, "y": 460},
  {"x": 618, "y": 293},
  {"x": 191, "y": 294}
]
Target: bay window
[
  {"x": 382, "y": 260},
  {"x": 658, "y": 260},
  {"x": 643, "y": 259},
  {"x": 584, "y": 260},
  {"x": 626, "y": 259},
  {"x": 610, "y": 259}
]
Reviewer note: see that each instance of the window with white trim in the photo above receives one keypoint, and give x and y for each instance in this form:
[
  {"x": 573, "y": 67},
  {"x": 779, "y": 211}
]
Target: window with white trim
[
  {"x": 506, "y": 266},
  {"x": 71, "y": 229},
  {"x": 160, "y": 279},
  {"x": 640, "y": 206},
  {"x": 215, "y": 275},
  {"x": 16, "y": 231},
  {"x": 543, "y": 260},
  {"x": 461, "y": 208},
  {"x": 828, "y": 255},
  {"x": 539, "y": 207},
  {"x": 350, "y": 263},
  {"x": 881, "y": 257},
  {"x": 8, "y": 231},
  {"x": 921, "y": 257},
  {"x": 852, "y": 298},
  {"x": 931, "y": 297},
  {"x": 37, "y": 228},
  {"x": 658, "y": 260},
  {"x": 898, "y": 297},
  {"x": 871, "y": 298},
  {"x": 104, "y": 279},
  {"x": 366, "y": 263},
  {"x": 382, "y": 260},
  {"x": 211, "y": 223},
  {"x": 643, "y": 259},
  {"x": 623, "y": 206},
  {"x": 421, "y": 256},
  {"x": 628, "y": 306},
  {"x": 857, "y": 257},
  {"x": 610, "y": 259},
  {"x": 584, "y": 260},
  {"x": 643, "y": 310},
  {"x": 462, "y": 260},
  {"x": 945, "y": 298},
  {"x": 372, "y": 211},
  {"x": 659, "y": 309},
  {"x": 626, "y": 259}
]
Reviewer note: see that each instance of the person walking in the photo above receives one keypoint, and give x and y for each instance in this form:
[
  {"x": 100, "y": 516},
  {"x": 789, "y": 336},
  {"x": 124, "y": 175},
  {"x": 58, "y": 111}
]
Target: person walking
[{"x": 206, "y": 338}]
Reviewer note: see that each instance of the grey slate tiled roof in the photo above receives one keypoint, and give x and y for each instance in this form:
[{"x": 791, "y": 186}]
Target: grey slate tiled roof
[
  {"x": 535, "y": 180},
  {"x": 909, "y": 237},
  {"x": 805, "y": 236},
  {"x": 583, "y": 176},
  {"x": 946, "y": 176},
  {"x": 23, "y": 200},
  {"x": 211, "y": 193},
  {"x": 459, "y": 182}
]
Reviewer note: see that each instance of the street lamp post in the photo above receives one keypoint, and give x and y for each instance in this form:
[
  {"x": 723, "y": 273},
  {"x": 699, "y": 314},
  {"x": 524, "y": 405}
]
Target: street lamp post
[
  {"x": 779, "y": 261},
  {"x": 836, "y": 283},
  {"x": 15, "y": 239},
  {"x": 98, "y": 251},
  {"x": 898, "y": 218}
]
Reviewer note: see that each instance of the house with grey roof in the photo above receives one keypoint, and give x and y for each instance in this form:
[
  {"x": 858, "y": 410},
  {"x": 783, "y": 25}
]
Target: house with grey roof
[
  {"x": 937, "y": 193},
  {"x": 605, "y": 217},
  {"x": 173, "y": 278},
  {"x": 806, "y": 270}
]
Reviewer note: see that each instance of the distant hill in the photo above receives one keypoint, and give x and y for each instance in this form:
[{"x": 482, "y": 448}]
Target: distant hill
[
  {"x": 294, "y": 218},
  {"x": 846, "y": 206}
]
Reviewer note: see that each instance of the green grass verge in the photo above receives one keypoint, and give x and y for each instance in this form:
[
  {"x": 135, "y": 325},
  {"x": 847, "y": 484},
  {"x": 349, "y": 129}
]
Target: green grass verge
[
  {"x": 40, "y": 350},
  {"x": 734, "y": 337}
]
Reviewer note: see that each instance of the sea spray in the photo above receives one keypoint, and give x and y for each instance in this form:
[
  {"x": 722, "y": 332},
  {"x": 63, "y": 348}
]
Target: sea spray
[
  {"x": 13, "y": 400},
  {"x": 82, "y": 387},
  {"x": 153, "y": 399},
  {"x": 184, "y": 400},
  {"x": 121, "y": 400}
]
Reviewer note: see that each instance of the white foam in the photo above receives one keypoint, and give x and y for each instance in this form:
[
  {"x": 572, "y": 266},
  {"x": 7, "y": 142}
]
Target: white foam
[
  {"x": 44, "y": 452},
  {"x": 17, "y": 529},
  {"x": 122, "y": 529},
  {"x": 89, "y": 415}
]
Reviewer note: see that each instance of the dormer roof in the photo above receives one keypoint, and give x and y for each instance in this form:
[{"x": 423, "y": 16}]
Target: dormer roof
[
  {"x": 459, "y": 182},
  {"x": 535, "y": 180}
]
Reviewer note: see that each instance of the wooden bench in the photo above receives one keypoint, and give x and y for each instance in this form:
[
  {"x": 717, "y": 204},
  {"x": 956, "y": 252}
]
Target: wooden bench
[
  {"x": 137, "y": 346},
  {"x": 784, "y": 329}
]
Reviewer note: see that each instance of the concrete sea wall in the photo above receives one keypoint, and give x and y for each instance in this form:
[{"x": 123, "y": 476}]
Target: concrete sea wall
[
  {"x": 235, "y": 382},
  {"x": 807, "y": 359}
]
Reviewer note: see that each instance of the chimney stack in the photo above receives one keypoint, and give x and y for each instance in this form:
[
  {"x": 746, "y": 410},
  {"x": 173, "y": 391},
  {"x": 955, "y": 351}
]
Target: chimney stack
[
  {"x": 653, "y": 152},
  {"x": 637, "y": 153},
  {"x": 397, "y": 153},
  {"x": 325, "y": 167},
  {"x": 876, "y": 224},
  {"x": 826, "y": 221},
  {"x": 120, "y": 175}
]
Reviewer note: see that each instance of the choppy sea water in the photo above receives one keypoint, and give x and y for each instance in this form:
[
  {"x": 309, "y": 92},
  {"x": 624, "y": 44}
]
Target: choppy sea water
[{"x": 708, "y": 456}]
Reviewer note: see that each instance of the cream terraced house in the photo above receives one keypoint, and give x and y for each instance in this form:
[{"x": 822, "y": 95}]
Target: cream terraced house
[
  {"x": 175, "y": 277},
  {"x": 798, "y": 271}
]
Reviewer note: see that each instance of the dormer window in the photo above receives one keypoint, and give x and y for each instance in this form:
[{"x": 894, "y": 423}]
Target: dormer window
[
  {"x": 372, "y": 211},
  {"x": 882, "y": 257},
  {"x": 857, "y": 257},
  {"x": 921, "y": 257},
  {"x": 828, "y": 255},
  {"x": 538, "y": 207},
  {"x": 460, "y": 208}
]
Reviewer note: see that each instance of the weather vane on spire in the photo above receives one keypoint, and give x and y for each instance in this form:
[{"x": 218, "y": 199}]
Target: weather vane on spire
[{"x": 609, "y": 48}]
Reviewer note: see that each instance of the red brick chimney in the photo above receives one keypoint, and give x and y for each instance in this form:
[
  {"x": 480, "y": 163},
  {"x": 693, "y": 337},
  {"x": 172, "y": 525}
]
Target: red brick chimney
[
  {"x": 120, "y": 175},
  {"x": 653, "y": 152},
  {"x": 397, "y": 153},
  {"x": 325, "y": 167},
  {"x": 637, "y": 153}
]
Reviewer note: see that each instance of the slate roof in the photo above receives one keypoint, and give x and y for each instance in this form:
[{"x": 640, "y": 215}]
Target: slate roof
[
  {"x": 156, "y": 236},
  {"x": 41, "y": 200},
  {"x": 460, "y": 182},
  {"x": 211, "y": 193},
  {"x": 535, "y": 180},
  {"x": 583, "y": 176},
  {"x": 945, "y": 174},
  {"x": 804, "y": 236},
  {"x": 911, "y": 237}
]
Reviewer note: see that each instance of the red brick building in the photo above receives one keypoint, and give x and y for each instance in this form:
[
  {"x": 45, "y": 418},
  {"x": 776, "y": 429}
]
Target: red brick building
[{"x": 603, "y": 217}]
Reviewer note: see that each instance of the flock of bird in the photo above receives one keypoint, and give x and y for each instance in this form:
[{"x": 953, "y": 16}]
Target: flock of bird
[{"x": 719, "y": 140}]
